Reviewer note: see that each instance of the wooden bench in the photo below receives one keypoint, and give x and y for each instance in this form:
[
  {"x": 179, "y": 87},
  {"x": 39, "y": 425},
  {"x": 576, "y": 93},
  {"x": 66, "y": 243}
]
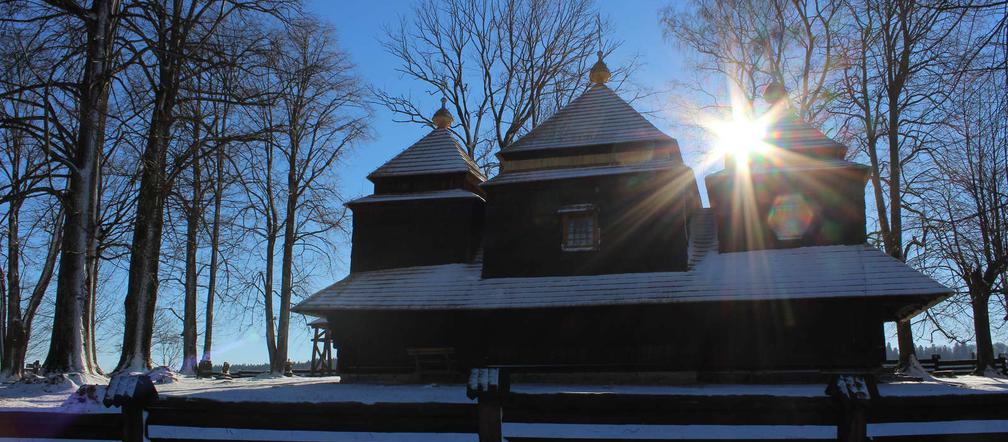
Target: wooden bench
[{"x": 433, "y": 359}]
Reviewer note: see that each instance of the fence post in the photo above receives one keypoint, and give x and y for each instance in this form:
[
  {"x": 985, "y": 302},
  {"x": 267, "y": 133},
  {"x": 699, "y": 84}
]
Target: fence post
[
  {"x": 934, "y": 361},
  {"x": 854, "y": 393},
  {"x": 486, "y": 387},
  {"x": 131, "y": 393},
  {"x": 133, "y": 424}
]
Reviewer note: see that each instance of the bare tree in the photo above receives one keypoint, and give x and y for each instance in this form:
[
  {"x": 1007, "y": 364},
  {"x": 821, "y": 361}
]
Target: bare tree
[
  {"x": 80, "y": 75},
  {"x": 316, "y": 112},
  {"x": 753, "y": 43},
  {"x": 504, "y": 66},
  {"x": 967, "y": 202},
  {"x": 169, "y": 40},
  {"x": 29, "y": 179},
  {"x": 26, "y": 167},
  {"x": 887, "y": 100}
]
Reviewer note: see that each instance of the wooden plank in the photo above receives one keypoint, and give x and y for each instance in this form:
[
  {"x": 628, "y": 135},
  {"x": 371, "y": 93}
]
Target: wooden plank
[
  {"x": 669, "y": 409},
  {"x": 938, "y": 408},
  {"x": 987, "y": 437},
  {"x": 382, "y": 417},
  {"x": 534, "y": 439},
  {"x": 30, "y": 424}
]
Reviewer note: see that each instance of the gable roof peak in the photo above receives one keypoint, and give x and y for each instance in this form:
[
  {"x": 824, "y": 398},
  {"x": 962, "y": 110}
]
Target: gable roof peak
[
  {"x": 437, "y": 152},
  {"x": 599, "y": 116}
]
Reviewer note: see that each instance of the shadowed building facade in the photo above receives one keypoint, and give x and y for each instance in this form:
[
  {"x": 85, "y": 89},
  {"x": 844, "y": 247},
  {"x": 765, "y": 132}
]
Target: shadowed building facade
[{"x": 590, "y": 249}]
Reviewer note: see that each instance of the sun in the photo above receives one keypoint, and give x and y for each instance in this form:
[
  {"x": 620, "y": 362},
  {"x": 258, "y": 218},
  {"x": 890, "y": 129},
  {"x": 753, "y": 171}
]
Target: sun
[{"x": 739, "y": 137}]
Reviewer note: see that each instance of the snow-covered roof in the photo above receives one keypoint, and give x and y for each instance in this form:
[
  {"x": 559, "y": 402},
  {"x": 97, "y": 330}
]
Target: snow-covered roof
[
  {"x": 436, "y": 194},
  {"x": 790, "y": 132},
  {"x": 598, "y": 116},
  {"x": 795, "y": 163},
  {"x": 580, "y": 172},
  {"x": 807, "y": 272},
  {"x": 437, "y": 152}
]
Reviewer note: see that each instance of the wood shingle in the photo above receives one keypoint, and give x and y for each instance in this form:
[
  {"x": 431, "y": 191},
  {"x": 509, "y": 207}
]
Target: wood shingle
[
  {"x": 597, "y": 117},
  {"x": 436, "y": 153}
]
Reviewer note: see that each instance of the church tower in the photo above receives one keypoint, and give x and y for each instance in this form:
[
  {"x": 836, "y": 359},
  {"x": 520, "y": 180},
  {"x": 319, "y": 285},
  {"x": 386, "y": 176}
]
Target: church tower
[
  {"x": 427, "y": 207},
  {"x": 797, "y": 191},
  {"x": 594, "y": 189}
]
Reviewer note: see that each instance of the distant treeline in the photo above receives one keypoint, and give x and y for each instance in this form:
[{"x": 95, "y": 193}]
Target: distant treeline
[
  {"x": 265, "y": 366},
  {"x": 956, "y": 351}
]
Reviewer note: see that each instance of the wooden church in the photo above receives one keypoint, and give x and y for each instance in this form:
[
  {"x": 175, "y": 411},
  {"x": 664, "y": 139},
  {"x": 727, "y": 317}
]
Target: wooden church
[{"x": 590, "y": 250}]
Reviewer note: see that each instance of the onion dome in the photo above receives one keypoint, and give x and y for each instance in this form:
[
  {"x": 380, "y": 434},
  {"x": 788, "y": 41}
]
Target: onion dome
[
  {"x": 599, "y": 73},
  {"x": 787, "y": 131},
  {"x": 442, "y": 118},
  {"x": 774, "y": 93}
]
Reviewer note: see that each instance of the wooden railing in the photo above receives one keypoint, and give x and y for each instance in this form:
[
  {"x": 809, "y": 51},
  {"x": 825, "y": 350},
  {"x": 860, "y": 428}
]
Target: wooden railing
[
  {"x": 23, "y": 425},
  {"x": 853, "y": 412},
  {"x": 935, "y": 363}
]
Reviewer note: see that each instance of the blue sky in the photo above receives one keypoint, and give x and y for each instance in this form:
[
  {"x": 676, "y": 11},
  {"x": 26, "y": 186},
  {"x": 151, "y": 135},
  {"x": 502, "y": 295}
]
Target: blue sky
[{"x": 359, "y": 26}]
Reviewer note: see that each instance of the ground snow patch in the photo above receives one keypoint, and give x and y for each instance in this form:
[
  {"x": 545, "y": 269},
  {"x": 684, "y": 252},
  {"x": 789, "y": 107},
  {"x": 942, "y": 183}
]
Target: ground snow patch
[
  {"x": 162, "y": 375},
  {"x": 914, "y": 369}
]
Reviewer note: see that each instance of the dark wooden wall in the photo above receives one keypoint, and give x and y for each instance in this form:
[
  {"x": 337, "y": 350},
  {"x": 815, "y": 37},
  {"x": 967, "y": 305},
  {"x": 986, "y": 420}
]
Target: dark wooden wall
[
  {"x": 707, "y": 336},
  {"x": 642, "y": 220},
  {"x": 415, "y": 232},
  {"x": 836, "y": 195},
  {"x": 426, "y": 183}
]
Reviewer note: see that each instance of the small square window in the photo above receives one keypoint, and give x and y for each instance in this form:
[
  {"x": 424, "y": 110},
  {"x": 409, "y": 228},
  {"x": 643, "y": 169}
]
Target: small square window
[{"x": 580, "y": 228}]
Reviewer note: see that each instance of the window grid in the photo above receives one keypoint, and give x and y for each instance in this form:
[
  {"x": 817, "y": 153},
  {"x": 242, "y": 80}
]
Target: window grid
[{"x": 579, "y": 231}]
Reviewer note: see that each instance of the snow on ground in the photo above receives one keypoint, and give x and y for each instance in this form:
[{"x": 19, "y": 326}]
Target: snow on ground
[
  {"x": 946, "y": 386},
  {"x": 34, "y": 397},
  {"x": 311, "y": 389},
  {"x": 66, "y": 398}
]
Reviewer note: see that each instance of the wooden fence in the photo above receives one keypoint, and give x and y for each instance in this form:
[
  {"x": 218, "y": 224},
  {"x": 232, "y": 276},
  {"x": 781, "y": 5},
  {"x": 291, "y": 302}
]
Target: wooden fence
[
  {"x": 937, "y": 365},
  {"x": 47, "y": 425},
  {"x": 496, "y": 414}
]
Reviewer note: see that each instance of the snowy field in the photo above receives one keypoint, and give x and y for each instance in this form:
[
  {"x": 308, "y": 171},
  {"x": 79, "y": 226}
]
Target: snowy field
[{"x": 64, "y": 397}]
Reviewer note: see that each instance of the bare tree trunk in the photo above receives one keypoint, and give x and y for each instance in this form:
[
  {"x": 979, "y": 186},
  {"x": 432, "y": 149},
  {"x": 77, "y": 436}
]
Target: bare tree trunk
[
  {"x": 904, "y": 338},
  {"x": 980, "y": 293},
  {"x": 89, "y": 320},
  {"x": 271, "y": 349},
  {"x": 93, "y": 259},
  {"x": 66, "y": 345},
  {"x": 141, "y": 294},
  {"x": 20, "y": 324},
  {"x": 214, "y": 249},
  {"x": 16, "y": 335},
  {"x": 194, "y": 216},
  {"x": 3, "y": 322},
  {"x": 287, "y": 266},
  {"x": 271, "y": 238}
]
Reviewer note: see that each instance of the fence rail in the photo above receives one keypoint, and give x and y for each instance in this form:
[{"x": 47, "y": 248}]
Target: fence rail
[
  {"x": 935, "y": 363},
  {"x": 499, "y": 414},
  {"x": 48, "y": 425}
]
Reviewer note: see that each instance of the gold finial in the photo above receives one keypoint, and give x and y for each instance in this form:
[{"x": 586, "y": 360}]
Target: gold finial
[
  {"x": 599, "y": 73},
  {"x": 774, "y": 93},
  {"x": 442, "y": 118}
]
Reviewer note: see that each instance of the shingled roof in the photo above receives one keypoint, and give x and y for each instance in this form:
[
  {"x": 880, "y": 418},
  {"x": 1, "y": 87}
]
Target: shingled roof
[
  {"x": 437, "y": 152},
  {"x": 598, "y": 116},
  {"x": 838, "y": 271},
  {"x": 792, "y": 133},
  {"x": 414, "y": 196}
]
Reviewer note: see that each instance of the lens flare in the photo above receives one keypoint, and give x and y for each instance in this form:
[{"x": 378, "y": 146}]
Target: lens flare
[{"x": 738, "y": 138}]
